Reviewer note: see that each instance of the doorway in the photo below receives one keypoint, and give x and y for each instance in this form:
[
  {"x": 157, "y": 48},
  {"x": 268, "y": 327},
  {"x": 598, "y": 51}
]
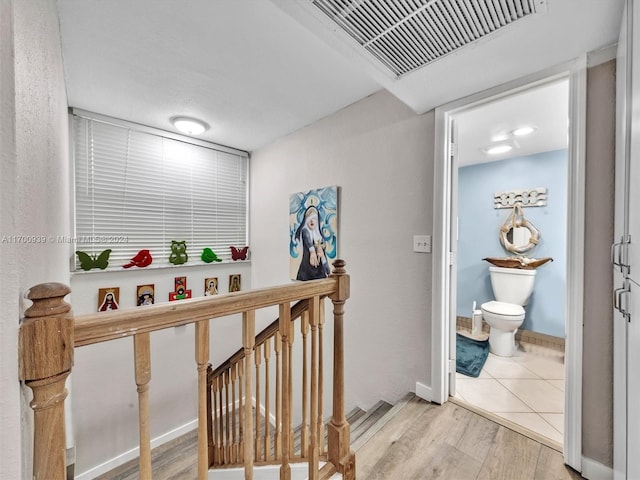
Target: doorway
[
  {"x": 445, "y": 243},
  {"x": 511, "y": 158}
]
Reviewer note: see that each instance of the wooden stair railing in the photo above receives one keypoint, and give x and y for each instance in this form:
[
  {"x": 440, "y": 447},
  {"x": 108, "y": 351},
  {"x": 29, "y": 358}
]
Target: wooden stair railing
[
  {"x": 49, "y": 333},
  {"x": 225, "y": 400}
]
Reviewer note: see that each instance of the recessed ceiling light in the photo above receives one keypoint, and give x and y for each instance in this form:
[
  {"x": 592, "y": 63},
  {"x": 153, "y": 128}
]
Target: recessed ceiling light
[
  {"x": 518, "y": 132},
  {"x": 498, "y": 149},
  {"x": 500, "y": 137},
  {"x": 190, "y": 126}
]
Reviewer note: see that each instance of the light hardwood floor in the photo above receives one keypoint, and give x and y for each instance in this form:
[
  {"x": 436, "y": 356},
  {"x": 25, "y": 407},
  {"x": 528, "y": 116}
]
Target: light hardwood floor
[
  {"x": 421, "y": 441},
  {"x": 427, "y": 441}
]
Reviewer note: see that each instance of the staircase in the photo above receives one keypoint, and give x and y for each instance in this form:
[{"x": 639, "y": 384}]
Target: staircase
[
  {"x": 176, "y": 460},
  {"x": 364, "y": 425}
]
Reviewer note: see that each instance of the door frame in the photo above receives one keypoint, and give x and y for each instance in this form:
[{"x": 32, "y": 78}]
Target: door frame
[{"x": 443, "y": 310}]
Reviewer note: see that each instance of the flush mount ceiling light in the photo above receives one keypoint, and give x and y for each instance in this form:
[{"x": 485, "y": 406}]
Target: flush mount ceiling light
[
  {"x": 518, "y": 132},
  {"x": 190, "y": 126},
  {"x": 498, "y": 149}
]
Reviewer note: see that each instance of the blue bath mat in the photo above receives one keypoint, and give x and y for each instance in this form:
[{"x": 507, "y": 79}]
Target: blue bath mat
[{"x": 470, "y": 355}]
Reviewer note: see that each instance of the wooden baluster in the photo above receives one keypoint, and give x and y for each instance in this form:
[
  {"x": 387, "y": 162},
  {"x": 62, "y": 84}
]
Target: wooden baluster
[
  {"x": 267, "y": 406},
  {"x": 202, "y": 359},
  {"x": 321, "y": 435},
  {"x": 227, "y": 443},
  {"x": 248, "y": 341},
  {"x": 241, "y": 403},
  {"x": 258, "y": 363},
  {"x": 304, "y": 429},
  {"x": 314, "y": 309},
  {"x": 339, "y": 442},
  {"x": 234, "y": 426},
  {"x": 142, "y": 358},
  {"x": 210, "y": 421},
  {"x": 277, "y": 346},
  {"x": 221, "y": 456},
  {"x": 290, "y": 391},
  {"x": 285, "y": 328},
  {"x": 45, "y": 360},
  {"x": 216, "y": 420}
]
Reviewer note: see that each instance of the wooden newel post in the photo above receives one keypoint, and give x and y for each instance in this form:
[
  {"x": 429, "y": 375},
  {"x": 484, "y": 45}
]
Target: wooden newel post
[
  {"x": 46, "y": 357},
  {"x": 339, "y": 450}
]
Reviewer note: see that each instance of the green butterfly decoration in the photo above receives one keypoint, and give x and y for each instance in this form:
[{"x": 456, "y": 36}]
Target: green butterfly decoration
[{"x": 87, "y": 262}]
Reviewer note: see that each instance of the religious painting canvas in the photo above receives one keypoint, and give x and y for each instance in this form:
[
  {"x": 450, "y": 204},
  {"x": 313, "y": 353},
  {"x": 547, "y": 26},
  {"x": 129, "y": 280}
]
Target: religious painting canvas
[
  {"x": 108, "y": 299},
  {"x": 313, "y": 233}
]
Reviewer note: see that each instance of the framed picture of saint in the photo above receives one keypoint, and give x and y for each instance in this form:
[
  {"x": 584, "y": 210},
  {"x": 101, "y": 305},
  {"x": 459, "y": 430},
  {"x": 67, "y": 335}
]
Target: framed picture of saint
[
  {"x": 234, "y": 282},
  {"x": 108, "y": 299},
  {"x": 313, "y": 233},
  {"x": 145, "y": 294},
  {"x": 181, "y": 292},
  {"x": 210, "y": 286}
]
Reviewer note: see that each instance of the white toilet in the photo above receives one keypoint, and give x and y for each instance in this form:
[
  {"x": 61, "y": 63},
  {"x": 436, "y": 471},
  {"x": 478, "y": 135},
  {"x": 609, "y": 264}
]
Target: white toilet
[{"x": 512, "y": 288}]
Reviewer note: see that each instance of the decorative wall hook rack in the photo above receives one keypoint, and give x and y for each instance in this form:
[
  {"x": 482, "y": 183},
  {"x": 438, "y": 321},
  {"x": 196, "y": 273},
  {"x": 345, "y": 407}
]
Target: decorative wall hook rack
[{"x": 529, "y": 197}]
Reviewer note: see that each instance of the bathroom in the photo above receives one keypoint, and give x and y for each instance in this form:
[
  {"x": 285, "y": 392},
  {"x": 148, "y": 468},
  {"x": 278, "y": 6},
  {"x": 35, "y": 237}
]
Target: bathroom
[{"x": 526, "y": 388}]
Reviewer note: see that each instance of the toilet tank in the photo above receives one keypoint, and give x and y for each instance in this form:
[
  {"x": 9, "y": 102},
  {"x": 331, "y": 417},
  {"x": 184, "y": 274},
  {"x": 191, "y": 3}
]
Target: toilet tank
[{"x": 512, "y": 285}]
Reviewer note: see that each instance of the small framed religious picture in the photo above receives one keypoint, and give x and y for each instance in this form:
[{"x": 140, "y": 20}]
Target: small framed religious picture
[
  {"x": 181, "y": 291},
  {"x": 211, "y": 286},
  {"x": 145, "y": 294},
  {"x": 234, "y": 282},
  {"x": 108, "y": 299}
]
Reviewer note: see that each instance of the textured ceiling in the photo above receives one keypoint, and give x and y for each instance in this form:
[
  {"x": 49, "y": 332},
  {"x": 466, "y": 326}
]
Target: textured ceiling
[{"x": 257, "y": 70}]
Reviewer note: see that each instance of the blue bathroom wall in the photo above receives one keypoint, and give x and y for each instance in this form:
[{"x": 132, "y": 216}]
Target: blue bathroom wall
[{"x": 479, "y": 234}]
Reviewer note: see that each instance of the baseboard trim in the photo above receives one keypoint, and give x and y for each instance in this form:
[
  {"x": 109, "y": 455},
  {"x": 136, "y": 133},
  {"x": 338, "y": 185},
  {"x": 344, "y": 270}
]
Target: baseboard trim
[
  {"x": 298, "y": 471},
  {"x": 593, "y": 470},
  {"x": 424, "y": 392},
  {"x": 135, "y": 452}
]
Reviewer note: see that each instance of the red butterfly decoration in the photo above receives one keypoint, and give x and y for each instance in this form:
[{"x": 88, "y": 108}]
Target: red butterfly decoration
[{"x": 239, "y": 253}]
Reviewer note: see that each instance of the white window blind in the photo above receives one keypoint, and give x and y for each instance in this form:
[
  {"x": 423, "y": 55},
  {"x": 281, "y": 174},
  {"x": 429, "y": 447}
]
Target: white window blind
[{"x": 137, "y": 190}]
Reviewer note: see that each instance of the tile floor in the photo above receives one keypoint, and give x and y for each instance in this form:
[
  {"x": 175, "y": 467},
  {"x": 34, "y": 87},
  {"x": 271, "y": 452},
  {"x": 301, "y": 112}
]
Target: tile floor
[{"x": 527, "y": 389}]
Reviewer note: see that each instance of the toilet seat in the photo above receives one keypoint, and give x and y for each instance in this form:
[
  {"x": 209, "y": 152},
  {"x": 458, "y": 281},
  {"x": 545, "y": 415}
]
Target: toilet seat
[{"x": 503, "y": 309}]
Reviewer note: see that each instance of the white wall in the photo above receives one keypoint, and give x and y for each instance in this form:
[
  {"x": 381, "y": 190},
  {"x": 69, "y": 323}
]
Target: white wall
[
  {"x": 35, "y": 194},
  {"x": 105, "y": 405},
  {"x": 479, "y": 225},
  {"x": 381, "y": 155}
]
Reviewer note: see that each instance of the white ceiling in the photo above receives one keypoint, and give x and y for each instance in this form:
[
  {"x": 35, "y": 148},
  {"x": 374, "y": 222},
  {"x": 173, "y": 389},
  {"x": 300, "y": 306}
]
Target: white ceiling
[
  {"x": 256, "y": 70},
  {"x": 545, "y": 108}
]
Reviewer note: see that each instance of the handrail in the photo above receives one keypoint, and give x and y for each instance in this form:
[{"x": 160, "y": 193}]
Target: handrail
[
  {"x": 49, "y": 333},
  {"x": 103, "y": 326}
]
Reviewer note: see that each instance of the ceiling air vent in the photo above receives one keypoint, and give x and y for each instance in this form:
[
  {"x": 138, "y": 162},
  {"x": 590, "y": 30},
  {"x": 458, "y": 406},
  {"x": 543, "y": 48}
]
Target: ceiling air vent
[{"x": 408, "y": 34}]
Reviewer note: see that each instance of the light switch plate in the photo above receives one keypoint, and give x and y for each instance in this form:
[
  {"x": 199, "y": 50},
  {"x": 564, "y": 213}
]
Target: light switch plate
[{"x": 422, "y": 243}]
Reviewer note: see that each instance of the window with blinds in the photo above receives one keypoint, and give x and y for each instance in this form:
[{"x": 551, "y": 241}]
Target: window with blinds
[{"x": 137, "y": 189}]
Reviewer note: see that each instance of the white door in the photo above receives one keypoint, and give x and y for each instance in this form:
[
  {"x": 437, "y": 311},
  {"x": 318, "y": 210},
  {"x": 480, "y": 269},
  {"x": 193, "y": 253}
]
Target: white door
[
  {"x": 625, "y": 253},
  {"x": 623, "y": 100},
  {"x": 627, "y": 382},
  {"x": 633, "y": 383}
]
